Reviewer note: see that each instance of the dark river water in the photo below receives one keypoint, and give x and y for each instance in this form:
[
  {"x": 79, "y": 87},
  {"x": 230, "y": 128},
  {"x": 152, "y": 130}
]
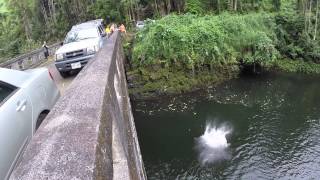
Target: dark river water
[{"x": 263, "y": 127}]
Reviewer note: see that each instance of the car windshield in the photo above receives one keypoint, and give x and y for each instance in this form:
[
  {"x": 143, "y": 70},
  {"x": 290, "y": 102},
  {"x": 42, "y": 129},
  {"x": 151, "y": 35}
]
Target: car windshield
[
  {"x": 82, "y": 34},
  {"x": 5, "y": 91}
]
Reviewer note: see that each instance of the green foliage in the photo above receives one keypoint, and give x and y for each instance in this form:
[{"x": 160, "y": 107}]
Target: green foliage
[
  {"x": 9, "y": 38},
  {"x": 3, "y": 7},
  {"x": 294, "y": 41},
  {"x": 187, "y": 40},
  {"x": 276, "y": 4},
  {"x": 195, "y": 7},
  {"x": 193, "y": 41},
  {"x": 106, "y": 8},
  {"x": 290, "y": 65}
]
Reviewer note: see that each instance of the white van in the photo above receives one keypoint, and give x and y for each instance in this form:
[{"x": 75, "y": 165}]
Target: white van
[{"x": 79, "y": 46}]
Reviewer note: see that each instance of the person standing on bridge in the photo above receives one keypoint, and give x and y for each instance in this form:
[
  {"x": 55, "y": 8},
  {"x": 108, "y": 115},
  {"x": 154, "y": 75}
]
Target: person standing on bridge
[
  {"x": 46, "y": 50},
  {"x": 123, "y": 29},
  {"x": 108, "y": 30},
  {"x": 112, "y": 28}
]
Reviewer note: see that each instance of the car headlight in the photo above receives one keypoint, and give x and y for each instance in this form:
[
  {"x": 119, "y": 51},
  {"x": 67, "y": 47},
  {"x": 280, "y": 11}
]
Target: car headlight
[
  {"x": 59, "y": 57},
  {"x": 91, "y": 50}
]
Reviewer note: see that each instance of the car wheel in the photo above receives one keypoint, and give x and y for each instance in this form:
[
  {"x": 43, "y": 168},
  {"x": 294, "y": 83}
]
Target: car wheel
[
  {"x": 41, "y": 117},
  {"x": 64, "y": 74}
]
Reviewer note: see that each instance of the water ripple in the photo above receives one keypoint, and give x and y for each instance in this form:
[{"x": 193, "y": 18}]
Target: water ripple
[{"x": 276, "y": 130}]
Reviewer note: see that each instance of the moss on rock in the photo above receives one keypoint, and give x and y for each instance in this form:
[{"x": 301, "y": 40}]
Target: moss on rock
[{"x": 147, "y": 82}]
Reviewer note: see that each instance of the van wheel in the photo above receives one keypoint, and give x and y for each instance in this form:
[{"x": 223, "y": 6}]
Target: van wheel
[
  {"x": 41, "y": 117},
  {"x": 64, "y": 74}
]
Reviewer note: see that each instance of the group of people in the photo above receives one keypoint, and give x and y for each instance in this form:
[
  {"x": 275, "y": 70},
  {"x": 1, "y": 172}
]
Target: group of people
[{"x": 111, "y": 28}]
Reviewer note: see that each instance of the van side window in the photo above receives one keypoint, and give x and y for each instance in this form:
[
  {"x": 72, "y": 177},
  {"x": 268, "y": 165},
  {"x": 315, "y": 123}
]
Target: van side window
[
  {"x": 100, "y": 31},
  {"x": 102, "y": 28}
]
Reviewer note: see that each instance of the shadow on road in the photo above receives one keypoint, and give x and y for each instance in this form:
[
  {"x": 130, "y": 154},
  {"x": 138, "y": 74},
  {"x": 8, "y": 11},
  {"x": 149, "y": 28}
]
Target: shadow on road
[{"x": 62, "y": 83}]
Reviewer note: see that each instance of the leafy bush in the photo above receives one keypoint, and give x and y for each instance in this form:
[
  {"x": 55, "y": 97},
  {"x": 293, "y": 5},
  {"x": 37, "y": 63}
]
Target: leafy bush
[
  {"x": 294, "y": 41},
  {"x": 289, "y": 65},
  {"x": 195, "y": 7},
  {"x": 193, "y": 41}
]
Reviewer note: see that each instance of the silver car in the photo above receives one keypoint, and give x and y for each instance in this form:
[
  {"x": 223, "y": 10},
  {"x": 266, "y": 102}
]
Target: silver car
[
  {"x": 140, "y": 24},
  {"x": 25, "y": 99}
]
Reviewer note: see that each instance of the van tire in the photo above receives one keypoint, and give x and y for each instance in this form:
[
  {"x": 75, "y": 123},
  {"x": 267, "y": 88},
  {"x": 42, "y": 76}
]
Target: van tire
[{"x": 64, "y": 74}]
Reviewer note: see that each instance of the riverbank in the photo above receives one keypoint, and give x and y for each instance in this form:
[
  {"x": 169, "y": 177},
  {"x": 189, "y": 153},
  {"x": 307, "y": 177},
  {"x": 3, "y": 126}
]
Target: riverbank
[
  {"x": 183, "y": 53},
  {"x": 153, "y": 82},
  {"x": 287, "y": 65}
]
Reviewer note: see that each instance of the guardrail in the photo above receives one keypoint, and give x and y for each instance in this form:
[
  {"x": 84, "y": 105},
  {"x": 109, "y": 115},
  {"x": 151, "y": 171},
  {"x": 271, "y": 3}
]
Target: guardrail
[
  {"x": 30, "y": 59},
  {"x": 90, "y": 133}
]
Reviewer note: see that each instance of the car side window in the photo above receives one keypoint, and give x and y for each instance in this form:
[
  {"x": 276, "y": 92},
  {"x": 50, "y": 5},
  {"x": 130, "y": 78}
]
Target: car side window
[{"x": 5, "y": 91}]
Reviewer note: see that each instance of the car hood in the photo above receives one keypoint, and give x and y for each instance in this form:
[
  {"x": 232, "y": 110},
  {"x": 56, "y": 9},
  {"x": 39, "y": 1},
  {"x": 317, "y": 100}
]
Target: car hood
[
  {"x": 74, "y": 46},
  {"x": 19, "y": 78}
]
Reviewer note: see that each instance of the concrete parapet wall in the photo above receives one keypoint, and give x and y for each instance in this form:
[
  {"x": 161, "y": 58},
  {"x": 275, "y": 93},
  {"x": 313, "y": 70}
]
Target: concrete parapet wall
[
  {"x": 90, "y": 133},
  {"x": 30, "y": 59}
]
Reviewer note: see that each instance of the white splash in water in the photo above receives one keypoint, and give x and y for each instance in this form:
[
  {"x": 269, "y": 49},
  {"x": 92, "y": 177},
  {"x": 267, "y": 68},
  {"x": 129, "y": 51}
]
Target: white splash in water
[{"x": 213, "y": 145}]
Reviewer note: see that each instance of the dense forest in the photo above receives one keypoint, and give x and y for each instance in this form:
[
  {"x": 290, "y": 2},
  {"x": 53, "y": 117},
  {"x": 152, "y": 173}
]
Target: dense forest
[
  {"x": 25, "y": 24},
  {"x": 243, "y": 33}
]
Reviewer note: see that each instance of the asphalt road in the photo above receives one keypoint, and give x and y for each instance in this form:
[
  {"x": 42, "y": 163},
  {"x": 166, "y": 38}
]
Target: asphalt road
[{"x": 62, "y": 83}]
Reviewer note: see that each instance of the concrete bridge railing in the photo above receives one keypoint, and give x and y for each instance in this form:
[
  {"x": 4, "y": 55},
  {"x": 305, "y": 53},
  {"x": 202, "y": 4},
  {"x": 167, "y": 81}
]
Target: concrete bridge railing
[
  {"x": 30, "y": 59},
  {"x": 90, "y": 133}
]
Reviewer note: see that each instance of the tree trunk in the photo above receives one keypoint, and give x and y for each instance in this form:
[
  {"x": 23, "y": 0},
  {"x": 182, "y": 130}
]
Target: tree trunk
[
  {"x": 133, "y": 16},
  {"x": 168, "y": 6},
  {"x": 230, "y": 4},
  {"x": 305, "y": 6},
  {"x": 26, "y": 24},
  {"x": 44, "y": 12},
  {"x": 54, "y": 15},
  {"x": 310, "y": 13},
  {"x": 156, "y": 7},
  {"x": 235, "y": 5},
  {"x": 316, "y": 23}
]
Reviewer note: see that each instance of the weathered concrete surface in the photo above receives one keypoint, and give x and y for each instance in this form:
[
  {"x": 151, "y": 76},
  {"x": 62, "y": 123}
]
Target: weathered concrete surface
[{"x": 90, "y": 134}]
